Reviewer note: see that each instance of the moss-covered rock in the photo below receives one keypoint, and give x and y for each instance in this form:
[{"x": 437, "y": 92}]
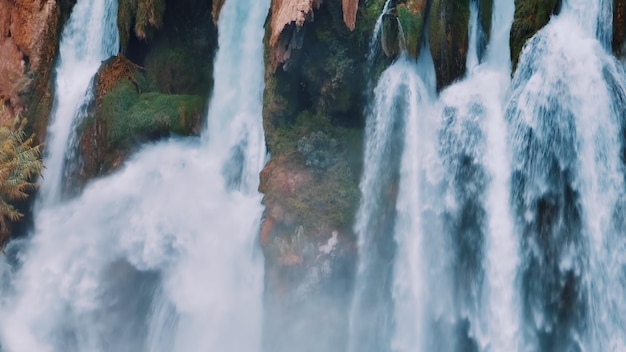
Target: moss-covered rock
[
  {"x": 320, "y": 88},
  {"x": 127, "y": 112},
  {"x": 160, "y": 87},
  {"x": 314, "y": 186},
  {"x": 448, "y": 31},
  {"x": 530, "y": 17},
  {"x": 150, "y": 116},
  {"x": 317, "y": 78},
  {"x": 411, "y": 16}
]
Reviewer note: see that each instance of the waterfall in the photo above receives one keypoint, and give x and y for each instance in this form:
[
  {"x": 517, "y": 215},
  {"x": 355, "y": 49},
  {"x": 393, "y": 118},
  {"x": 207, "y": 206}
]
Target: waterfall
[
  {"x": 474, "y": 33},
  {"x": 482, "y": 310},
  {"x": 565, "y": 122},
  {"x": 374, "y": 47},
  {"x": 89, "y": 37},
  {"x": 439, "y": 213},
  {"x": 162, "y": 255},
  {"x": 411, "y": 284},
  {"x": 397, "y": 97},
  {"x": 402, "y": 91}
]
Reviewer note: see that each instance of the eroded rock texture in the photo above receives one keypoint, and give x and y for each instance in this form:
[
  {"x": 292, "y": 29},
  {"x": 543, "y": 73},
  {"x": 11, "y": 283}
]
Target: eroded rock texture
[{"x": 29, "y": 32}]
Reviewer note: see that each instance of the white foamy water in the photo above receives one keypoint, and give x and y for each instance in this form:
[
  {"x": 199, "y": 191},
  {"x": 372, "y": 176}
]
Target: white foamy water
[
  {"x": 162, "y": 255},
  {"x": 89, "y": 37}
]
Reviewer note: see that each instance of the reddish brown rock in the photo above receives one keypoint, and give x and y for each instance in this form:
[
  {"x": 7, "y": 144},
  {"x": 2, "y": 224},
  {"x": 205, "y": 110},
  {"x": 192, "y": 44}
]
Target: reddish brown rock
[
  {"x": 28, "y": 42},
  {"x": 283, "y": 38},
  {"x": 350, "y": 8},
  {"x": 217, "y": 8},
  {"x": 281, "y": 179},
  {"x": 285, "y": 12}
]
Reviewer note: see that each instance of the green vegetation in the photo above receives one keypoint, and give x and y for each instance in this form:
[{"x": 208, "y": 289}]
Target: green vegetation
[
  {"x": 20, "y": 163},
  {"x": 330, "y": 154},
  {"x": 314, "y": 115},
  {"x": 130, "y": 116},
  {"x": 145, "y": 15},
  {"x": 172, "y": 68},
  {"x": 329, "y": 201},
  {"x": 412, "y": 21}
]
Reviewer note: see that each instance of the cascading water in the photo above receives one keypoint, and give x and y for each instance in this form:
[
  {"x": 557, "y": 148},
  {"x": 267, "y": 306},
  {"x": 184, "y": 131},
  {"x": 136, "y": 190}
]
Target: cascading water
[
  {"x": 397, "y": 97},
  {"x": 376, "y": 34},
  {"x": 477, "y": 309},
  {"x": 474, "y": 32},
  {"x": 566, "y": 117},
  {"x": 134, "y": 263},
  {"x": 465, "y": 300},
  {"x": 90, "y": 37}
]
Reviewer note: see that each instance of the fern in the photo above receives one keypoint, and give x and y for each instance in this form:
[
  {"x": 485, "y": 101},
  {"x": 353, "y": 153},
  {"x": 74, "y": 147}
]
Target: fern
[{"x": 20, "y": 163}]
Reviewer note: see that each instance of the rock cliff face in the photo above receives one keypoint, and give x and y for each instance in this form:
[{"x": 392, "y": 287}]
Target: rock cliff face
[
  {"x": 29, "y": 31},
  {"x": 350, "y": 8}
]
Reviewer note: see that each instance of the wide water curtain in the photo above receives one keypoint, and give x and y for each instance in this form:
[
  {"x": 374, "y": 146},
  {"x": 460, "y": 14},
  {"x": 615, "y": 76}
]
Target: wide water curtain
[
  {"x": 503, "y": 216},
  {"x": 565, "y": 116},
  {"x": 161, "y": 255}
]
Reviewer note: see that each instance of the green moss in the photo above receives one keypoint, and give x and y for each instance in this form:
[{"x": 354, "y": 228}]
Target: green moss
[
  {"x": 285, "y": 137},
  {"x": 126, "y": 12},
  {"x": 130, "y": 116},
  {"x": 413, "y": 27},
  {"x": 332, "y": 155},
  {"x": 149, "y": 16}
]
